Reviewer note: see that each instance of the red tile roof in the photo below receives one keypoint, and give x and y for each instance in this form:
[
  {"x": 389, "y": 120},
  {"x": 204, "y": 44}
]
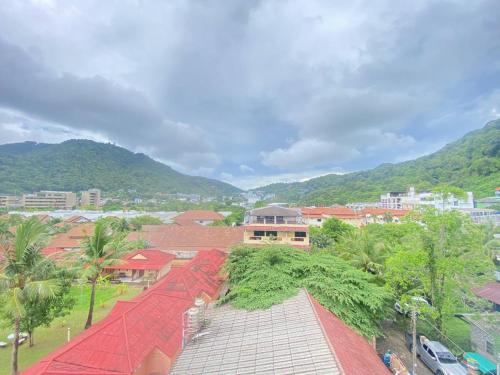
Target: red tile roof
[
  {"x": 190, "y": 217},
  {"x": 145, "y": 259},
  {"x": 154, "y": 320},
  {"x": 382, "y": 211},
  {"x": 73, "y": 237},
  {"x": 352, "y": 351},
  {"x": 188, "y": 238},
  {"x": 490, "y": 291},
  {"x": 339, "y": 212}
]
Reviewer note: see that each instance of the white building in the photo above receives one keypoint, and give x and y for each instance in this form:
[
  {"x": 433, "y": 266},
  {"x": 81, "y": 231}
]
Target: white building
[{"x": 411, "y": 200}]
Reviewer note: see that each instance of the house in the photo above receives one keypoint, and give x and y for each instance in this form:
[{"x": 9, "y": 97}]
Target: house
[
  {"x": 276, "y": 224},
  {"x": 381, "y": 215},
  {"x": 141, "y": 265},
  {"x": 284, "y": 234},
  {"x": 484, "y": 335},
  {"x": 274, "y": 215},
  {"x": 296, "y": 336},
  {"x": 145, "y": 335},
  {"x": 490, "y": 292},
  {"x": 200, "y": 217},
  {"x": 72, "y": 239},
  {"x": 316, "y": 216},
  {"x": 185, "y": 241}
]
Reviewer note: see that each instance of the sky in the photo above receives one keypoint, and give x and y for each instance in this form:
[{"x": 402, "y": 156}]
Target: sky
[{"x": 251, "y": 92}]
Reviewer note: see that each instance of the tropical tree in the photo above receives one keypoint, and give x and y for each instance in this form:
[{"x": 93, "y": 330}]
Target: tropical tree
[
  {"x": 364, "y": 252},
  {"x": 448, "y": 258},
  {"x": 25, "y": 276},
  {"x": 103, "y": 248}
]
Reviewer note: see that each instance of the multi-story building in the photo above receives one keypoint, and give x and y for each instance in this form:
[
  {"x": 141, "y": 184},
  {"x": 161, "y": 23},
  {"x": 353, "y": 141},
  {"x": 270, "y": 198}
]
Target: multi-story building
[
  {"x": 91, "y": 197},
  {"x": 64, "y": 200},
  {"x": 392, "y": 200},
  {"x": 411, "y": 200},
  {"x": 10, "y": 201},
  {"x": 276, "y": 224}
]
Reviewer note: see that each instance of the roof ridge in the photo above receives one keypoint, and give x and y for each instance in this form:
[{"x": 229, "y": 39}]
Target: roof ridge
[
  {"x": 126, "y": 341},
  {"x": 323, "y": 331}
]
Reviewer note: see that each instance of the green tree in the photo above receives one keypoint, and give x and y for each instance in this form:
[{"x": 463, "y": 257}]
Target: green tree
[
  {"x": 137, "y": 222},
  {"x": 102, "y": 249},
  {"x": 335, "y": 228},
  {"x": 42, "y": 311},
  {"x": 25, "y": 276},
  {"x": 261, "y": 277},
  {"x": 447, "y": 259}
]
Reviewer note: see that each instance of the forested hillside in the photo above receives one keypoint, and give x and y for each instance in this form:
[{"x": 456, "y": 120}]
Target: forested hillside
[
  {"x": 471, "y": 163},
  {"x": 81, "y": 164}
]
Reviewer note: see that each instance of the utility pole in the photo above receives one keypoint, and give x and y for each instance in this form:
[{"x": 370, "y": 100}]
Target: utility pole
[{"x": 414, "y": 340}]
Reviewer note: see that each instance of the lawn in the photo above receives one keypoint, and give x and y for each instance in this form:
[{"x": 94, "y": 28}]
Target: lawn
[{"x": 47, "y": 339}]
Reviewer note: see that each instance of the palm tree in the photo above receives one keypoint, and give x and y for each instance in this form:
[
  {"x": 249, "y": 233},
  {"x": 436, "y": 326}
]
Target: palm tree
[
  {"x": 364, "y": 252},
  {"x": 102, "y": 249},
  {"x": 24, "y": 275}
]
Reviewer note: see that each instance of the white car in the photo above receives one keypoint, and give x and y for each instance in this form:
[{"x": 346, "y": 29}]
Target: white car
[{"x": 405, "y": 309}]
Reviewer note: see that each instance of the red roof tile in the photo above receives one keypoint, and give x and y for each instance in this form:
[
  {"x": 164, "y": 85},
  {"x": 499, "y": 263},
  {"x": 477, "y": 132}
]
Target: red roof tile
[
  {"x": 73, "y": 237},
  {"x": 121, "y": 342},
  {"x": 490, "y": 291},
  {"x": 382, "y": 211},
  {"x": 188, "y": 238},
  {"x": 145, "y": 259},
  {"x": 338, "y": 212},
  {"x": 352, "y": 351}
]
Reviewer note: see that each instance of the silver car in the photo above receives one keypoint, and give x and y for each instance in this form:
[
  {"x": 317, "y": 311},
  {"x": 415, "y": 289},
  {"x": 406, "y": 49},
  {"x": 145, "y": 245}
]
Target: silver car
[{"x": 439, "y": 359}]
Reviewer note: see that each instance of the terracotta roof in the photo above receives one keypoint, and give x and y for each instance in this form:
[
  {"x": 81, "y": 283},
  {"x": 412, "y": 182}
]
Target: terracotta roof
[
  {"x": 490, "y": 291},
  {"x": 120, "y": 343},
  {"x": 190, "y": 217},
  {"x": 277, "y": 227},
  {"x": 76, "y": 219},
  {"x": 382, "y": 211},
  {"x": 338, "y": 212},
  {"x": 188, "y": 238},
  {"x": 352, "y": 351},
  {"x": 73, "y": 237},
  {"x": 144, "y": 259}
]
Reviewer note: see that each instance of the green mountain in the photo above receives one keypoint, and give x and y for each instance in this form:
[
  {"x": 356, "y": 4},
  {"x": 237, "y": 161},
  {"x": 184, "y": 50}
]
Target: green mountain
[
  {"x": 471, "y": 163},
  {"x": 81, "y": 164}
]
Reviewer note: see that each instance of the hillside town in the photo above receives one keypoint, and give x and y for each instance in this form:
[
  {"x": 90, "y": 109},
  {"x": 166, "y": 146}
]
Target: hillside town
[{"x": 173, "y": 263}]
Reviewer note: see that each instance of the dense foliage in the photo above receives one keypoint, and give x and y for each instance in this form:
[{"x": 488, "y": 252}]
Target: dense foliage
[
  {"x": 471, "y": 163},
  {"x": 80, "y": 164},
  {"x": 261, "y": 277}
]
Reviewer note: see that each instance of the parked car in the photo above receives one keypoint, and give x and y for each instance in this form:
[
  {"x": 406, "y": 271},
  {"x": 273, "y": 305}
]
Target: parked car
[
  {"x": 436, "y": 356},
  {"x": 405, "y": 308}
]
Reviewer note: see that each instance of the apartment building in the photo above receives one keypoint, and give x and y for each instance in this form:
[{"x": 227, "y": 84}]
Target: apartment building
[
  {"x": 412, "y": 199},
  {"x": 91, "y": 197},
  {"x": 10, "y": 201},
  {"x": 64, "y": 200}
]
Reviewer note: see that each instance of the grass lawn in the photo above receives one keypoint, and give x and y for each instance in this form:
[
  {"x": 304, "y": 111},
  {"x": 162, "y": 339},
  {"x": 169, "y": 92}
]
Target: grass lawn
[{"x": 47, "y": 339}]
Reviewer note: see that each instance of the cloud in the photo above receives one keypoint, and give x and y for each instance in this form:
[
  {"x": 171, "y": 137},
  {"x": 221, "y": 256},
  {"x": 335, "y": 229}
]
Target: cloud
[
  {"x": 222, "y": 87},
  {"x": 96, "y": 104},
  {"x": 308, "y": 153}
]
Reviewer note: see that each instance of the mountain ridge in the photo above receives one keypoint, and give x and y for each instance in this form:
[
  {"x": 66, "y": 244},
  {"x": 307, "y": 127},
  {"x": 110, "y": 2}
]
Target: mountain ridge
[
  {"x": 472, "y": 162},
  {"x": 79, "y": 164}
]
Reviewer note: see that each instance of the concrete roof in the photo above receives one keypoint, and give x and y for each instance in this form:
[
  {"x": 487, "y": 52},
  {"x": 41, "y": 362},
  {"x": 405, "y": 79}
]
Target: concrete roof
[{"x": 284, "y": 339}]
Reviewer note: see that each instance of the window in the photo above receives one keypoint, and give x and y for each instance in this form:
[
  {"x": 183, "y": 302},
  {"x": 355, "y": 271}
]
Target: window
[
  {"x": 431, "y": 353},
  {"x": 271, "y": 233},
  {"x": 269, "y": 219},
  {"x": 259, "y": 233},
  {"x": 318, "y": 220},
  {"x": 260, "y": 219},
  {"x": 300, "y": 234},
  {"x": 280, "y": 220}
]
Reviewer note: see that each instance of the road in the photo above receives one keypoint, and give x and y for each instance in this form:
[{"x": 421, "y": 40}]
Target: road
[{"x": 395, "y": 341}]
